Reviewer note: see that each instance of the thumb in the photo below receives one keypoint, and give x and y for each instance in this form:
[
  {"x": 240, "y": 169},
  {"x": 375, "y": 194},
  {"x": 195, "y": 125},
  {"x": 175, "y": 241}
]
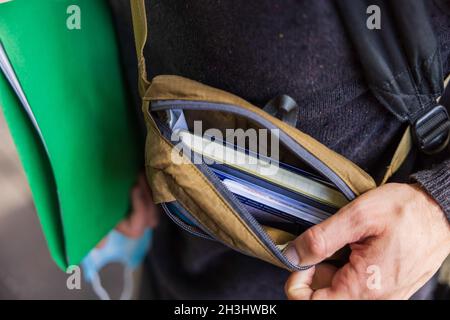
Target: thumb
[
  {"x": 301, "y": 284},
  {"x": 298, "y": 286},
  {"x": 348, "y": 225}
]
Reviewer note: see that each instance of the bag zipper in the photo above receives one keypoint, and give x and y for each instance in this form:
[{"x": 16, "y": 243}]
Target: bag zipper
[
  {"x": 183, "y": 225},
  {"x": 235, "y": 203},
  {"x": 248, "y": 218},
  {"x": 291, "y": 144}
]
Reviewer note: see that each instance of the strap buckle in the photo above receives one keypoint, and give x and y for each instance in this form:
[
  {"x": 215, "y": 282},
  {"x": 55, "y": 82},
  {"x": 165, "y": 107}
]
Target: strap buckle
[{"x": 431, "y": 132}]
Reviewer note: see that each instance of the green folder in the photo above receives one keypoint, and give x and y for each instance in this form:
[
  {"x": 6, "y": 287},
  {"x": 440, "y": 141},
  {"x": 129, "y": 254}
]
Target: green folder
[{"x": 81, "y": 173}]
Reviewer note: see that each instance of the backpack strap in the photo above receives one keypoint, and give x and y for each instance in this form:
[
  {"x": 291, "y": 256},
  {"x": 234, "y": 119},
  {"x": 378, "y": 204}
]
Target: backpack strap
[
  {"x": 406, "y": 142},
  {"x": 140, "y": 36},
  {"x": 402, "y": 65}
]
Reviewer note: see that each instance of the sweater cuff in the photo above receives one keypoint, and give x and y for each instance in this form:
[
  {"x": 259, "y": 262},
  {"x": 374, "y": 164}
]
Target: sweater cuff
[{"x": 436, "y": 182}]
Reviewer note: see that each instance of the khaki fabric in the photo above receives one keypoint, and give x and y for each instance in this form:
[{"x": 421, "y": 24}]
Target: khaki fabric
[
  {"x": 400, "y": 155},
  {"x": 187, "y": 185},
  {"x": 180, "y": 180},
  {"x": 179, "y": 88},
  {"x": 280, "y": 237},
  {"x": 140, "y": 35}
]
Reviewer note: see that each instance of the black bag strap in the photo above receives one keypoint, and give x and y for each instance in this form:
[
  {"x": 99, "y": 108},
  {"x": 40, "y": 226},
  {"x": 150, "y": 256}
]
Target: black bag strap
[{"x": 402, "y": 65}]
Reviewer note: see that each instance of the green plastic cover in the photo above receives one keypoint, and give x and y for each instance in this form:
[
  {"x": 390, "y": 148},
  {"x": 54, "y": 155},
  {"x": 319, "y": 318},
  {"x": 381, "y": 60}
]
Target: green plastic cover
[{"x": 73, "y": 82}]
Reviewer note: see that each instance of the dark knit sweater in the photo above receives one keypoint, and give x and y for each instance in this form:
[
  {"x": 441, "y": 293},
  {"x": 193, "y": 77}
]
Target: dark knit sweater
[{"x": 258, "y": 49}]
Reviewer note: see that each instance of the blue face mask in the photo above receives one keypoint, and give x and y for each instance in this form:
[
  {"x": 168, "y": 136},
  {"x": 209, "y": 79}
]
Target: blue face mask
[{"x": 117, "y": 249}]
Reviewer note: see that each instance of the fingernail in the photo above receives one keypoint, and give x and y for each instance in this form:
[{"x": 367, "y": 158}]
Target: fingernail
[{"x": 292, "y": 255}]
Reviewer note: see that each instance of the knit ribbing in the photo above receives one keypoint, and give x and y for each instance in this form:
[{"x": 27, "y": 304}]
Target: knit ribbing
[{"x": 437, "y": 183}]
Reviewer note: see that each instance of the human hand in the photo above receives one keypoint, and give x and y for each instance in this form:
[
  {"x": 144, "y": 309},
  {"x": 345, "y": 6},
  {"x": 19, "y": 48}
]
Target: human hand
[{"x": 398, "y": 236}]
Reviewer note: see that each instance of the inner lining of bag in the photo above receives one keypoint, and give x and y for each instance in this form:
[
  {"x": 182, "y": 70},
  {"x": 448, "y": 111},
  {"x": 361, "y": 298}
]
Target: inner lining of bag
[{"x": 223, "y": 121}]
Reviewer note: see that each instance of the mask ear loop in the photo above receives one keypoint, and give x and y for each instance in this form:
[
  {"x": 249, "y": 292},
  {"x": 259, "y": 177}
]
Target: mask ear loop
[
  {"x": 128, "y": 286},
  {"x": 98, "y": 288},
  {"x": 95, "y": 260}
]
